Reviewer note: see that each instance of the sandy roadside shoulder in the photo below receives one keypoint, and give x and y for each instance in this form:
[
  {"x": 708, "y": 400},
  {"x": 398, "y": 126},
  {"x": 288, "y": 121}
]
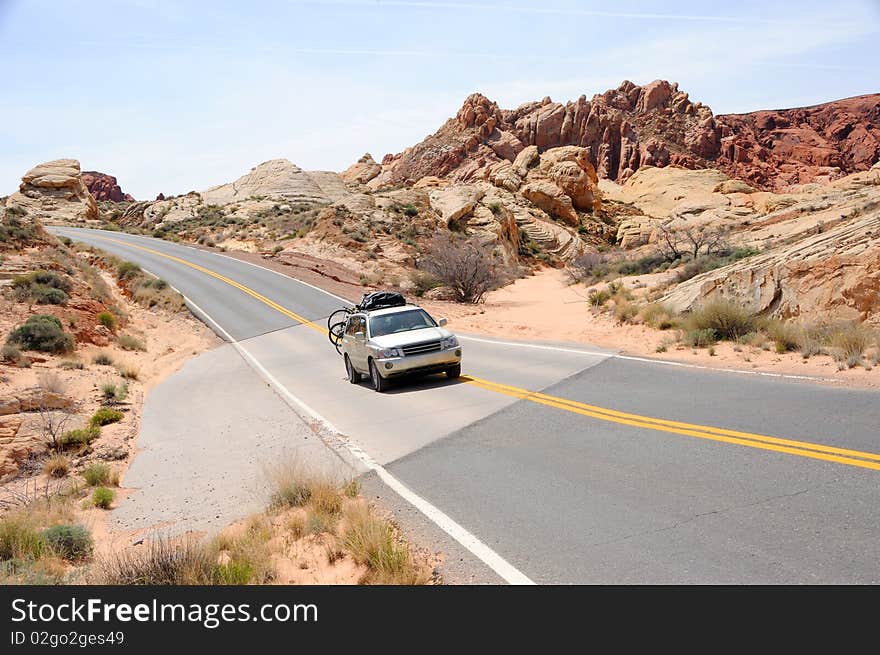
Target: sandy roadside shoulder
[{"x": 546, "y": 307}]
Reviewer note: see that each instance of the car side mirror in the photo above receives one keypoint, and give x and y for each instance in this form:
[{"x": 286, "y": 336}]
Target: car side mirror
[
  {"x": 360, "y": 336},
  {"x": 442, "y": 322}
]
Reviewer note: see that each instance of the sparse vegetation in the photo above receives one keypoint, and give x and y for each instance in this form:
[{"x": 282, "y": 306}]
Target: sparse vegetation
[
  {"x": 372, "y": 541},
  {"x": 128, "y": 370},
  {"x": 80, "y": 436},
  {"x": 725, "y": 319},
  {"x": 42, "y": 287},
  {"x": 108, "y": 320},
  {"x": 97, "y": 474},
  {"x": 72, "y": 542},
  {"x": 102, "y": 358},
  {"x": 57, "y": 466},
  {"x": 102, "y": 497},
  {"x": 105, "y": 416},
  {"x": 44, "y": 333},
  {"x": 469, "y": 268},
  {"x": 11, "y": 354}
]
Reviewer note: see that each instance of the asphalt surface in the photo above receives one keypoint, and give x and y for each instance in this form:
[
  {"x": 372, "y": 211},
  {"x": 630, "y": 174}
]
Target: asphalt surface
[{"x": 571, "y": 496}]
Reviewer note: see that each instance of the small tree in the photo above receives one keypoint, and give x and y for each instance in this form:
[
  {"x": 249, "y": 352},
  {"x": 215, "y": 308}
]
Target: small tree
[{"x": 468, "y": 267}]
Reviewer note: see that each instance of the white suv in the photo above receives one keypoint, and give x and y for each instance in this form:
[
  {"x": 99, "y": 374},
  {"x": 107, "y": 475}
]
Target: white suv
[{"x": 385, "y": 343}]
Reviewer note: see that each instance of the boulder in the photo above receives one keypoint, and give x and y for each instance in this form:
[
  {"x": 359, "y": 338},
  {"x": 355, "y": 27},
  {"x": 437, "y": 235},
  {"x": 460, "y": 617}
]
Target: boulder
[
  {"x": 55, "y": 190},
  {"x": 362, "y": 171},
  {"x": 455, "y": 202}
]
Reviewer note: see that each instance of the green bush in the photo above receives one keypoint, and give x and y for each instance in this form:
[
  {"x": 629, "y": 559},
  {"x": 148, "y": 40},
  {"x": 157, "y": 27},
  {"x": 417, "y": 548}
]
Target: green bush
[
  {"x": 44, "y": 333},
  {"x": 43, "y": 287},
  {"x": 102, "y": 497},
  {"x": 727, "y": 319},
  {"x": 70, "y": 542},
  {"x": 97, "y": 475},
  {"x": 80, "y": 437},
  {"x": 105, "y": 416},
  {"x": 598, "y": 297},
  {"x": 108, "y": 320}
]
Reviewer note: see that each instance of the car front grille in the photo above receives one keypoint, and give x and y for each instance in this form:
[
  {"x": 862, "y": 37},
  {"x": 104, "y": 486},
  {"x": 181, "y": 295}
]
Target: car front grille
[{"x": 421, "y": 348}]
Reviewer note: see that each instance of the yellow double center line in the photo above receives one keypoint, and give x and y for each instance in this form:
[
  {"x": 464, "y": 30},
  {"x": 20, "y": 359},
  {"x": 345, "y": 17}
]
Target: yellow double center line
[{"x": 764, "y": 442}]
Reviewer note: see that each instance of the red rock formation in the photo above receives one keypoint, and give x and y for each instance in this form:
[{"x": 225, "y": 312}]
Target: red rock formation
[
  {"x": 104, "y": 187},
  {"x": 656, "y": 125},
  {"x": 773, "y": 149}
]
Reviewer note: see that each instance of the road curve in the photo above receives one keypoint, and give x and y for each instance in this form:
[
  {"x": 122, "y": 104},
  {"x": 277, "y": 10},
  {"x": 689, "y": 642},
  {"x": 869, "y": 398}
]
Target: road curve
[{"x": 573, "y": 465}]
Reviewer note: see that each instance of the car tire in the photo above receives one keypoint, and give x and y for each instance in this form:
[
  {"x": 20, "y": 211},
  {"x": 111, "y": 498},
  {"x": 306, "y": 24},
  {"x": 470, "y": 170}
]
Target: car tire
[
  {"x": 380, "y": 384},
  {"x": 353, "y": 376},
  {"x": 453, "y": 371}
]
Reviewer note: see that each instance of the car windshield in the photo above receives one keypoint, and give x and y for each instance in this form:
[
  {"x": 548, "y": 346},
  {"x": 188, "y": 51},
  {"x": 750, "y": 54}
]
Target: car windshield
[{"x": 415, "y": 319}]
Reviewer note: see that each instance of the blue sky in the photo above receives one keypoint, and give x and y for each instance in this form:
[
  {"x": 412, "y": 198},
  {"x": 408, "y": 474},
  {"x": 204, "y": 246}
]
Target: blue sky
[{"x": 177, "y": 96}]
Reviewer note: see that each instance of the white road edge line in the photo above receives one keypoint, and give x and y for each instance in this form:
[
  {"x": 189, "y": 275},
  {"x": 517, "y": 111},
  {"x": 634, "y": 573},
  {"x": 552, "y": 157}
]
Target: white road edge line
[
  {"x": 471, "y": 542},
  {"x": 648, "y": 360}
]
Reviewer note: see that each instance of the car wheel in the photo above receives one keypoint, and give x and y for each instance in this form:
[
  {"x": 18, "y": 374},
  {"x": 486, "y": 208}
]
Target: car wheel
[
  {"x": 353, "y": 376},
  {"x": 380, "y": 384},
  {"x": 453, "y": 371}
]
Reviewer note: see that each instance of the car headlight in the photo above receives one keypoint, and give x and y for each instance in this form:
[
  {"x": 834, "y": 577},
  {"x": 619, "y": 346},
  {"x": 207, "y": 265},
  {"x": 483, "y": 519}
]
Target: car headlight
[
  {"x": 451, "y": 342},
  {"x": 386, "y": 353}
]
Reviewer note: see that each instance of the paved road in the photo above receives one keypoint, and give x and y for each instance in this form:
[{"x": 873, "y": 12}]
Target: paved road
[{"x": 620, "y": 471}]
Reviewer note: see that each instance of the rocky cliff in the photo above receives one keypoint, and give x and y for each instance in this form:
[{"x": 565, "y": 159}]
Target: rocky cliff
[
  {"x": 656, "y": 124},
  {"x": 104, "y": 187}
]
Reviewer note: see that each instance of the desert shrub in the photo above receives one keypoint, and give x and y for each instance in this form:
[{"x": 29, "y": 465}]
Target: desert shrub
[
  {"x": 12, "y": 229},
  {"x": 113, "y": 393},
  {"x": 640, "y": 266},
  {"x": 102, "y": 497},
  {"x": 102, "y": 358},
  {"x": 107, "y": 319},
  {"x": 80, "y": 437},
  {"x": 159, "y": 563},
  {"x": 351, "y": 489},
  {"x": 371, "y": 541},
  {"x": 411, "y": 211},
  {"x": 11, "y": 354},
  {"x": 326, "y": 498},
  {"x": 128, "y": 370},
  {"x": 97, "y": 474},
  {"x": 785, "y": 336},
  {"x": 423, "y": 282},
  {"x": 128, "y": 342},
  {"x": 70, "y": 542},
  {"x": 850, "y": 340},
  {"x": 71, "y": 365},
  {"x": 588, "y": 267},
  {"x": 19, "y": 540},
  {"x": 105, "y": 416},
  {"x": 699, "y": 265},
  {"x": 43, "y": 333},
  {"x": 624, "y": 310},
  {"x": 127, "y": 270},
  {"x": 727, "y": 319},
  {"x": 468, "y": 267},
  {"x": 56, "y": 466},
  {"x": 43, "y": 287},
  {"x": 658, "y": 316},
  {"x": 699, "y": 338},
  {"x": 598, "y": 297}
]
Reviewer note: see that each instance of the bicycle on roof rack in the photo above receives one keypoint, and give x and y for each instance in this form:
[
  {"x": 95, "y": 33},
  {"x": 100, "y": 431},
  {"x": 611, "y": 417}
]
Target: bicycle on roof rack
[{"x": 337, "y": 321}]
